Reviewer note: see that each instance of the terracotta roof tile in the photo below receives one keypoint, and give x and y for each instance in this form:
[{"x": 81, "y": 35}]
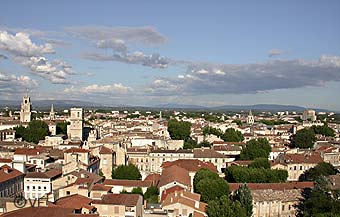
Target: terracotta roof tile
[
  {"x": 7, "y": 173},
  {"x": 77, "y": 150},
  {"x": 175, "y": 173},
  {"x": 119, "y": 199},
  {"x": 192, "y": 165},
  {"x": 105, "y": 150},
  {"x": 75, "y": 201},
  {"x": 207, "y": 153},
  {"x": 274, "y": 186}
]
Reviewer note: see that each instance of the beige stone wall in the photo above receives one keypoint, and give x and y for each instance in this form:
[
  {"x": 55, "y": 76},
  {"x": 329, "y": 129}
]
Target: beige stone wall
[
  {"x": 110, "y": 210},
  {"x": 106, "y": 164}
]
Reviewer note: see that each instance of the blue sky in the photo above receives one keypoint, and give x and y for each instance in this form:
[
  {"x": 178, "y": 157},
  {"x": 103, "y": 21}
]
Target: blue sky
[{"x": 186, "y": 52}]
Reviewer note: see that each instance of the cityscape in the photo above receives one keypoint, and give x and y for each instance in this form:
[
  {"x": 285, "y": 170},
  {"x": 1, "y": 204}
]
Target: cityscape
[{"x": 169, "y": 109}]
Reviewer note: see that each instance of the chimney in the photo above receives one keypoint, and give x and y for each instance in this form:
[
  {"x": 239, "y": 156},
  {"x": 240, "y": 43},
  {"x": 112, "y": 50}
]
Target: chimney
[
  {"x": 171, "y": 199},
  {"x": 82, "y": 175},
  {"x": 5, "y": 170},
  {"x": 197, "y": 204}
]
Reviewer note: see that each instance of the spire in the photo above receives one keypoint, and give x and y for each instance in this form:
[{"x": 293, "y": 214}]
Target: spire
[
  {"x": 52, "y": 109},
  {"x": 160, "y": 115},
  {"x": 250, "y": 113}
]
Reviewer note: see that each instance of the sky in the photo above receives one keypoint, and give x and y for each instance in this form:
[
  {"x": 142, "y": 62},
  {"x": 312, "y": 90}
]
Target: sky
[{"x": 207, "y": 53}]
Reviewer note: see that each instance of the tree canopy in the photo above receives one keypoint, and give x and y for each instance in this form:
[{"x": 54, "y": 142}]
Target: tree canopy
[
  {"x": 129, "y": 172},
  {"x": 243, "y": 195},
  {"x": 303, "y": 138},
  {"x": 151, "y": 194},
  {"x": 323, "y": 130},
  {"x": 232, "y": 135},
  {"x": 224, "y": 207},
  {"x": 322, "y": 169},
  {"x": 62, "y": 127},
  {"x": 240, "y": 174},
  {"x": 320, "y": 201},
  {"x": 212, "y": 188},
  {"x": 35, "y": 131},
  {"x": 179, "y": 130},
  {"x": 260, "y": 163},
  {"x": 259, "y": 148},
  {"x": 203, "y": 173}
]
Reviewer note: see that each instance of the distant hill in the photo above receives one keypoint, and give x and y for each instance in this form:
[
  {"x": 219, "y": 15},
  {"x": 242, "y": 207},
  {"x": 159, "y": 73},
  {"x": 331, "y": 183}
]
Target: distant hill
[{"x": 65, "y": 104}]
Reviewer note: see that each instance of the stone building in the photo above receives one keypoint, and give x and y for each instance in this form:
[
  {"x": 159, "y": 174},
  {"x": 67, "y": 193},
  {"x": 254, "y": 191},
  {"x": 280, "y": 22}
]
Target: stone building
[{"x": 26, "y": 107}]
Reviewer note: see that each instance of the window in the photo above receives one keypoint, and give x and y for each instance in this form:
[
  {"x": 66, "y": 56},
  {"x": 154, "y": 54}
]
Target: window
[
  {"x": 45, "y": 188},
  {"x": 116, "y": 209},
  {"x": 301, "y": 168},
  {"x": 33, "y": 187},
  {"x": 68, "y": 192},
  {"x": 289, "y": 207},
  {"x": 283, "y": 207},
  {"x": 39, "y": 188},
  {"x": 104, "y": 161},
  {"x": 294, "y": 167},
  {"x": 28, "y": 188}
]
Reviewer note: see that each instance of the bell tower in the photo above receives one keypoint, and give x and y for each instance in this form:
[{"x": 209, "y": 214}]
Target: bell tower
[{"x": 26, "y": 107}]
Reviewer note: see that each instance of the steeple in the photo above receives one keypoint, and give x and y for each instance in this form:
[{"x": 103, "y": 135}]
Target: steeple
[
  {"x": 52, "y": 113},
  {"x": 250, "y": 114}
]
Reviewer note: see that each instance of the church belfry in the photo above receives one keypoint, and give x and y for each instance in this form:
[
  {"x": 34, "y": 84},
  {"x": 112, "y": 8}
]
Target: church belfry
[{"x": 26, "y": 107}]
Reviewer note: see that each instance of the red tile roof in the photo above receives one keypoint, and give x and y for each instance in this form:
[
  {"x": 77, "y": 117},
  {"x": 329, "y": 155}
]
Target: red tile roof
[
  {"x": 154, "y": 177},
  {"x": 75, "y": 201},
  {"x": 101, "y": 187},
  {"x": 119, "y": 199},
  {"x": 7, "y": 173},
  {"x": 38, "y": 175},
  {"x": 192, "y": 165},
  {"x": 5, "y": 160},
  {"x": 53, "y": 173},
  {"x": 274, "y": 186},
  {"x": 311, "y": 158},
  {"x": 168, "y": 191},
  {"x": 77, "y": 150},
  {"x": 30, "y": 151},
  {"x": 105, "y": 150},
  {"x": 175, "y": 173},
  {"x": 39, "y": 212}
]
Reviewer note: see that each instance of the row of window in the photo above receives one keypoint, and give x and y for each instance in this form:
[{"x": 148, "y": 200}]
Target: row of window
[{"x": 33, "y": 188}]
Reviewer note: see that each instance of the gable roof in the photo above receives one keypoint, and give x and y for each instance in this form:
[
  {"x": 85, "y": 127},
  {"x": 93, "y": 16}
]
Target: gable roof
[
  {"x": 119, "y": 199},
  {"x": 207, "y": 153},
  {"x": 192, "y": 165},
  {"x": 7, "y": 173},
  {"x": 75, "y": 201},
  {"x": 175, "y": 173},
  {"x": 105, "y": 150},
  {"x": 129, "y": 183},
  {"x": 273, "y": 186}
]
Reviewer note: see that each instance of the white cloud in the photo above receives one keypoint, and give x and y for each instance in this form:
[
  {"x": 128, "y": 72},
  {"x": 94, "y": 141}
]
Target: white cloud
[
  {"x": 21, "y": 45},
  {"x": 11, "y": 84},
  {"x": 116, "y": 88},
  {"x": 249, "y": 78},
  {"x": 117, "y": 45}
]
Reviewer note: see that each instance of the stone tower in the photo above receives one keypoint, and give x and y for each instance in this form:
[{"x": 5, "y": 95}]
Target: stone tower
[
  {"x": 26, "y": 107},
  {"x": 52, "y": 113},
  {"x": 250, "y": 118},
  {"x": 75, "y": 131}
]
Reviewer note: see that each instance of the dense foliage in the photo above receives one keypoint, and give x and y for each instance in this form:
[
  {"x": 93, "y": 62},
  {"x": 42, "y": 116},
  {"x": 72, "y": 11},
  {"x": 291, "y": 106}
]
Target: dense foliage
[
  {"x": 35, "y": 131},
  {"x": 179, "y": 130},
  {"x": 304, "y": 138},
  {"x": 151, "y": 194},
  {"x": 232, "y": 135},
  {"x": 129, "y": 172},
  {"x": 322, "y": 169},
  {"x": 225, "y": 207},
  {"x": 320, "y": 201},
  {"x": 243, "y": 195},
  {"x": 238, "y": 122},
  {"x": 323, "y": 130},
  {"x": 62, "y": 127},
  {"x": 260, "y": 163},
  {"x": 240, "y": 174},
  {"x": 259, "y": 148},
  {"x": 203, "y": 173},
  {"x": 212, "y": 188}
]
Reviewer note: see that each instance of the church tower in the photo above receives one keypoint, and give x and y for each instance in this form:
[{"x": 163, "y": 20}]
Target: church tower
[
  {"x": 26, "y": 107},
  {"x": 75, "y": 129},
  {"x": 52, "y": 113},
  {"x": 250, "y": 118}
]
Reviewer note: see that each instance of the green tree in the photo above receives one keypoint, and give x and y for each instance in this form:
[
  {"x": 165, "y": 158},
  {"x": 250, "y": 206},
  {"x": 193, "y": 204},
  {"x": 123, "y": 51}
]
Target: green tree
[
  {"x": 189, "y": 143},
  {"x": 212, "y": 130},
  {"x": 323, "y": 130},
  {"x": 202, "y": 174},
  {"x": 224, "y": 207},
  {"x": 129, "y": 172},
  {"x": 62, "y": 127},
  {"x": 209, "y": 189},
  {"x": 151, "y": 194},
  {"x": 322, "y": 169},
  {"x": 238, "y": 122},
  {"x": 179, "y": 129},
  {"x": 304, "y": 138},
  {"x": 35, "y": 131},
  {"x": 254, "y": 175},
  {"x": 243, "y": 195},
  {"x": 232, "y": 135},
  {"x": 137, "y": 190},
  {"x": 259, "y": 148},
  {"x": 320, "y": 201},
  {"x": 260, "y": 163}
]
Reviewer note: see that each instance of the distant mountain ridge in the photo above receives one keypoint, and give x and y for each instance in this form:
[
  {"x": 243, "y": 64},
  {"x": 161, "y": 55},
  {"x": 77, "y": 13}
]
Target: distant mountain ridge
[{"x": 78, "y": 103}]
